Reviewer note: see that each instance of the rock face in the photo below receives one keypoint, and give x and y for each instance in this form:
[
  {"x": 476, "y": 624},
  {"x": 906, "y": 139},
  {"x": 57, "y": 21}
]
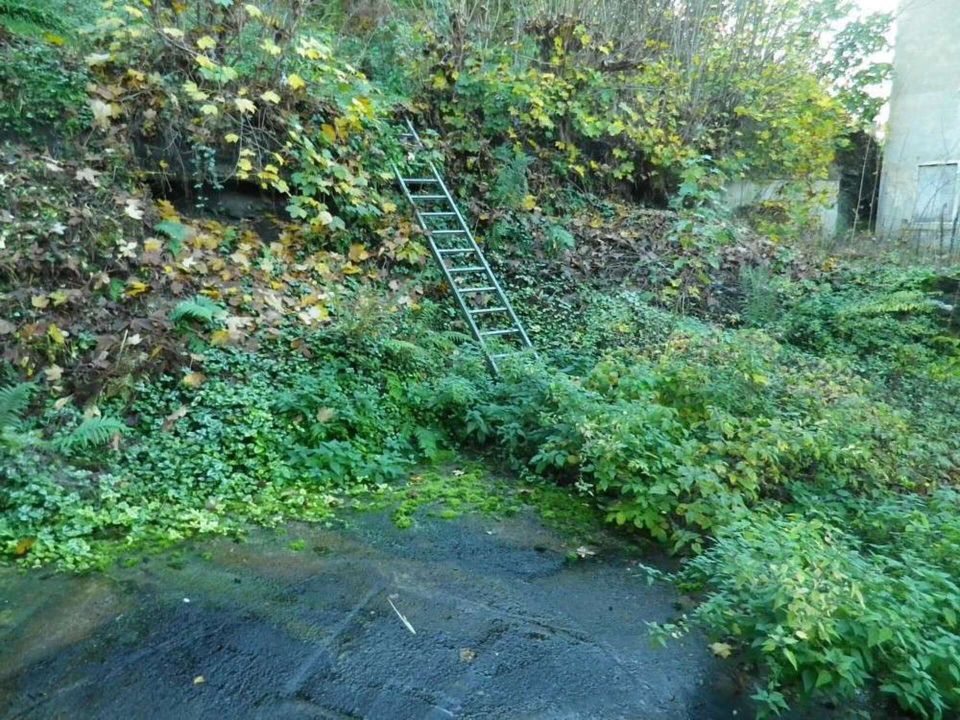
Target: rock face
[{"x": 503, "y": 626}]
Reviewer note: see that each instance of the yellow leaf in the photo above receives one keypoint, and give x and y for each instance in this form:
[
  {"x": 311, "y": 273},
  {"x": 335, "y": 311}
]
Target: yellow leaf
[
  {"x": 253, "y": 11},
  {"x": 135, "y": 288},
  {"x": 23, "y": 546},
  {"x": 57, "y": 335},
  {"x": 199, "y": 680},
  {"x": 205, "y": 62},
  {"x": 296, "y": 82},
  {"x": 358, "y": 253},
  {"x": 206, "y": 43},
  {"x": 172, "y": 32},
  {"x": 350, "y": 269},
  {"x": 328, "y": 132},
  {"x": 167, "y": 210},
  {"x": 270, "y": 47},
  {"x": 54, "y": 373},
  {"x": 194, "y": 379},
  {"x": 270, "y": 96},
  {"x": 231, "y": 138},
  {"x": 210, "y": 109},
  {"x": 245, "y": 106},
  {"x": 40, "y": 301},
  {"x": 195, "y": 93},
  {"x": 59, "y": 297},
  {"x": 529, "y": 202},
  {"x": 440, "y": 82},
  {"x": 152, "y": 245},
  {"x": 721, "y": 649},
  {"x": 220, "y": 337},
  {"x": 388, "y": 207}
]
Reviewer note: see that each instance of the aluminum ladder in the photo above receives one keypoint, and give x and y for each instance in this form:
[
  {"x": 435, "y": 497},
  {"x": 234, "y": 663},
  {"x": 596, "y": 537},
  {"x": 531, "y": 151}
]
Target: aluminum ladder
[{"x": 480, "y": 297}]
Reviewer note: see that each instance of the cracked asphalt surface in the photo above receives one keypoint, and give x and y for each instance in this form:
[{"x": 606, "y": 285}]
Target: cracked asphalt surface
[{"x": 506, "y": 626}]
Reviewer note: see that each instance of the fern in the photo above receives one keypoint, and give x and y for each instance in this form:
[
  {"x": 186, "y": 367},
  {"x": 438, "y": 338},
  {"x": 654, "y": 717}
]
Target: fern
[
  {"x": 13, "y": 401},
  {"x": 199, "y": 309},
  {"x": 90, "y": 433}
]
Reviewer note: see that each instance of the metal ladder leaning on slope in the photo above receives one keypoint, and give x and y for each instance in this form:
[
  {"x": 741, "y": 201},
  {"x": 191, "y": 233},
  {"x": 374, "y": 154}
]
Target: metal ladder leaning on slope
[{"x": 482, "y": 301}]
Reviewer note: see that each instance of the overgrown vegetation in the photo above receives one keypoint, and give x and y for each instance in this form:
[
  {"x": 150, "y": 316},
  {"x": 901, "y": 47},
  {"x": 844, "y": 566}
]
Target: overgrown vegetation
[{"x": 786, "y": 423}]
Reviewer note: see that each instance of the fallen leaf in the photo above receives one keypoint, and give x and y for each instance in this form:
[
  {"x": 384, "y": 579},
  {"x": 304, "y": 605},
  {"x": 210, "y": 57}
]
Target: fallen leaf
[
  {"x": 220, "y": 337},
  {"x": 102, "y": 112},
  {"x": 467, "y": 655},
  {"x": 721, "y": 649},
  {"x": 88, "y": 175},
  {"x": 194, "y": 379},
  {"x": 97, "y": 59},
  {"x": 245, "y": 106},
  {"x": 57, "y": 335},
  {"x": 171, "y": 419},
  {"x": 206, "y": 43},
  {"x": 53, "y": 373},
  {"x": 133, "y": 209},
  {"x": 270, "y": 96},
  {"x": 325, "y": 414},
  {"x": 199, "y": 680},
  {"x": 358, "y": 252},
  {"x": 40, "y": 301},
  {"x": 296, "y": 82},
  {"x": 23, "y": 546}
]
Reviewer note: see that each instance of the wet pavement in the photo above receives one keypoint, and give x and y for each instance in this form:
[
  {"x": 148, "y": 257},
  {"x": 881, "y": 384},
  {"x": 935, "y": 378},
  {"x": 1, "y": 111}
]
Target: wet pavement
[{"x": 506, "y": 626}]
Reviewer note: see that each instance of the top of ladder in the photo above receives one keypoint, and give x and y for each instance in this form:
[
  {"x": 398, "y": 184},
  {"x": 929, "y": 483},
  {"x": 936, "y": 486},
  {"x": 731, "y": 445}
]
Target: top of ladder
[{"x": 482, "y": 302}]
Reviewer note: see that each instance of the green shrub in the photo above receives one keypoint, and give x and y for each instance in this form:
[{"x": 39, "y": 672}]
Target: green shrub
[{"x": 825, "y": 613}]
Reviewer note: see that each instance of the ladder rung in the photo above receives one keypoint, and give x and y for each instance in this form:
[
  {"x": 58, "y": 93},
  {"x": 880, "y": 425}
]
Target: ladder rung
[
  {"x": 471, "y": 269},
  {"x": 484, "y": 311},
  {"x": 439, "y": 213},
  {"x": 497, "y": 356},
  {"x": 475, "y": 289},
  {"x": 454, "y": 251},
  {"x": 507, "y": 331},
  {"x": 447, "y": 232},
  {"x": 428, "y": 197},
  {"x": 420, "y": 181}
]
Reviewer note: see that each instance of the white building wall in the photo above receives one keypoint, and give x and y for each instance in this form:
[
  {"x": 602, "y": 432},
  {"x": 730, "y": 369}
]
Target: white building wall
[{"x": 920, "y": 187}]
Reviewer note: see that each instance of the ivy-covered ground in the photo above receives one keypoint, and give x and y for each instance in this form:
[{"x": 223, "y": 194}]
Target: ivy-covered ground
[{"x": 216, "y": 314}]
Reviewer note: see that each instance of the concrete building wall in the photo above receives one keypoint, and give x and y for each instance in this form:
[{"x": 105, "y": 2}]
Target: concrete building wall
[{"x": 920, "y": 186}]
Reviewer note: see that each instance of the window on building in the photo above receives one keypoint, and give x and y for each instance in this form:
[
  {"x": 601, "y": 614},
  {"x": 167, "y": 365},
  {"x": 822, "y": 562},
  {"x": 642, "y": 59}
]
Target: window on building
[{"x": 937, "y": 186}]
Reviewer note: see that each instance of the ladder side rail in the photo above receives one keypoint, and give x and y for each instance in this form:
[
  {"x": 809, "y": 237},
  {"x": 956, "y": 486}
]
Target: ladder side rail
[
  {"x": 483, "y": 259},
  {"x": 446, "y": 273},
  {"x": 414, "y": 133}
]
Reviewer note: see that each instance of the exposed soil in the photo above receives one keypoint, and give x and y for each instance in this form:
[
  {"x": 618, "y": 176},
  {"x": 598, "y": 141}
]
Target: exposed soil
[{"x": 506, "y": 626}]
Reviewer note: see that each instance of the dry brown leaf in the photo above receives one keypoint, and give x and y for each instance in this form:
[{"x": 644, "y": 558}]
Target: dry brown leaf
[{"x": 194, "y": 379}]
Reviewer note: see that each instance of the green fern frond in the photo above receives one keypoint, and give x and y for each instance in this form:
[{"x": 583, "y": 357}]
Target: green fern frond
[
  {"x": 13, "y": 401},
  {"x": 90, "y": 433},
  {"x": 901, "y": 302},
  {"x": 199, "y": 309}
]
